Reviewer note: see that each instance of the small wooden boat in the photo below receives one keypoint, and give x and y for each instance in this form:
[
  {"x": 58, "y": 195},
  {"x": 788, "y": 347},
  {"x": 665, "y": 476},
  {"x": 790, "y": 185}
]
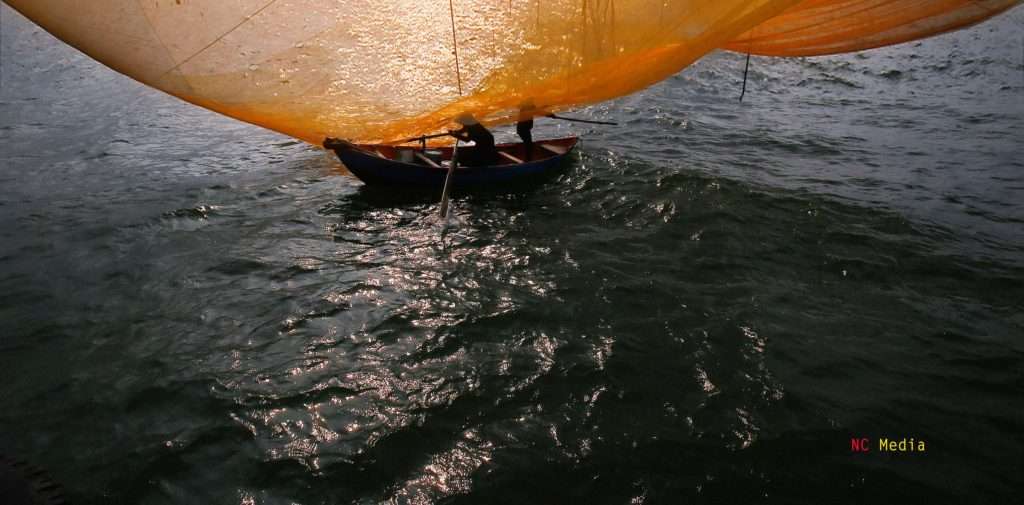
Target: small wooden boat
[{"x": 416, "y": 166}]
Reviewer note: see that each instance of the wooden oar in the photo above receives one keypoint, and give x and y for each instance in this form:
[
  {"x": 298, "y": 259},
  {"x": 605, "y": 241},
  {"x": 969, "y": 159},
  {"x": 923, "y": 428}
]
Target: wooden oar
[
  {"x": 448, "y": 180},
  {"x": 577, "y": 120},
  {"x": 423, "y": 138}
]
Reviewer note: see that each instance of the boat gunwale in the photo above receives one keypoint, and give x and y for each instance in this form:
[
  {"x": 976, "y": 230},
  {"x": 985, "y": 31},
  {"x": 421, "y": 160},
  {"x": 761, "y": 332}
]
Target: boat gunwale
[{"x": 372, "y": 150}]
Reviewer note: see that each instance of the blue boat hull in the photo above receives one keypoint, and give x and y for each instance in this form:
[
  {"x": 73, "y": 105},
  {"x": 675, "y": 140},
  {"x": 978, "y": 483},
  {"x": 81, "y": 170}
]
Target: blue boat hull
[{"x": 375, "y": 165}]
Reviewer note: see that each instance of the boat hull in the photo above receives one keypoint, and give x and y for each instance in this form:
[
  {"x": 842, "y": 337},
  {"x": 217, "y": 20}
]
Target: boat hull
[{"x": 378, "y": 166}]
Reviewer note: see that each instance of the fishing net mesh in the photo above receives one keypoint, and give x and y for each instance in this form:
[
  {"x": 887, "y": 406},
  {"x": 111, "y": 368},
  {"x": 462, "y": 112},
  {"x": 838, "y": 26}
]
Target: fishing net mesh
[
  {"x": 816, "y": 27},
  {"x": 375, "y": 71}
]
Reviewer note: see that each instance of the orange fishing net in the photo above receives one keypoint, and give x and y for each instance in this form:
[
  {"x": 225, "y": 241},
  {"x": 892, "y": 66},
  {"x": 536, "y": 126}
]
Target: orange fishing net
[
  {"x": 375, "y": 70},
  {"x": 816, "y": 27}
]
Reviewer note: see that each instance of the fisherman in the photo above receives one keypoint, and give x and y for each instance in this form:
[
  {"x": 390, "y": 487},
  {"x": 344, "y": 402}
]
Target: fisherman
[
  {"x": 483, "y": 153},
  {"x": 524, "y": 126}
]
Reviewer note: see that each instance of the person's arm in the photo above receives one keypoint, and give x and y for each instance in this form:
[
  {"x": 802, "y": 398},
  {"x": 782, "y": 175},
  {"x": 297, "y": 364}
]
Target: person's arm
[{"x": 462, "y": 134}]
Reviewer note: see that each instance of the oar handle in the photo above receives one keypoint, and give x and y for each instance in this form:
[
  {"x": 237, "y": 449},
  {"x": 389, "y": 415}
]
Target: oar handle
[
  {"x": 577, "y": 120},
  {"x": 425, "y": 137}
]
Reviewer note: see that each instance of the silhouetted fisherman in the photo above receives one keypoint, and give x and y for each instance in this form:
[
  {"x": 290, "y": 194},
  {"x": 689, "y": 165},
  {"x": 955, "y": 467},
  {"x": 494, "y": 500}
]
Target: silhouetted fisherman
[
  {"x": 483, "y": 153},
  {"x": 524, "y": 127}
]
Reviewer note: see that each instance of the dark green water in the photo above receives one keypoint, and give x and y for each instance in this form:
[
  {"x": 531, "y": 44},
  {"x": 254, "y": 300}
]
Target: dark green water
[{"x": 705, "y": 308}]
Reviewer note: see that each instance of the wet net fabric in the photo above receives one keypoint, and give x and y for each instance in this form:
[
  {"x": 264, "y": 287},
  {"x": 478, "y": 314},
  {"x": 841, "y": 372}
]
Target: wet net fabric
[
  {"x": 376, "y": 70},
  {"x": 818, "y": 27}
]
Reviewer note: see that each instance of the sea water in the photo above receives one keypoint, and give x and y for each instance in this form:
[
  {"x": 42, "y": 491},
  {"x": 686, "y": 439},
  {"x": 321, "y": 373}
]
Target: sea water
[{"x": 717, "y": 301}]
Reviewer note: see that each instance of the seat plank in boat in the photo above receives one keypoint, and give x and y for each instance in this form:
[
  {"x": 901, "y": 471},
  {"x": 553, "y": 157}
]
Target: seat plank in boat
[
  {"x": 511, "y": 158},
  {"x": 556, "y": 150},
  {"x": 427, "y": 161}
]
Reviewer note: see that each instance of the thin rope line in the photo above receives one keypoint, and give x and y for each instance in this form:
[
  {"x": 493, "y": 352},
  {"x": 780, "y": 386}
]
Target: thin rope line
[
  {"x": 455, "y": 43},
  {"x": 156, "y": 35},
  {"x": 218, "y": 39},
  {"x": 746, "y": 68}
]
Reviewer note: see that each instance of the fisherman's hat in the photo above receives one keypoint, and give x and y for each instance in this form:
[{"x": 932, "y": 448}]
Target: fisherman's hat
[{"x": 466, "y": 119}]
